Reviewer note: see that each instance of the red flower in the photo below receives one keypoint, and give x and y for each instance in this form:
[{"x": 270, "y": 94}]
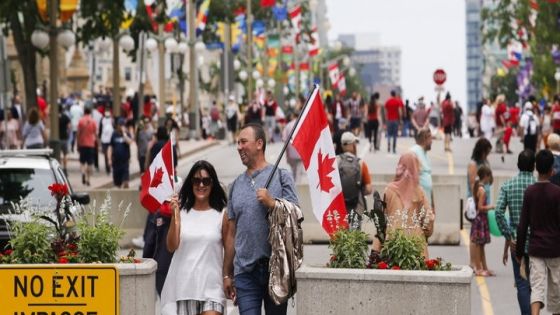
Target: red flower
[
  {"x": 58, "y": 190},
  {"x": 333, "y": 258},
  {"x": 61, "y": 253},
  {"x": 395, "y": 267},
  {"x": 431, "y": 263},
  {"x": 137, "y": 261},
  {"x": 8, "y": 252},
  {"x": 382, "y": 265},
  {"x": 63, "y": 260},
  {"x": 72, "y": 246}
]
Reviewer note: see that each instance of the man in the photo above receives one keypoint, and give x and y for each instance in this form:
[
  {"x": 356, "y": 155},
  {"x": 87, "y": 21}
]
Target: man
[
  {"x": 420, "y": 116},
  {"x": 421, "y": 148},
  {"x": 541, "y": 214},
  {"x": 529, "y": 128},
  {"x": 76, "y": 113},
  {"x": 556, "y": 114},
  {"x": 87, "y": 137},
  {"x": 393, "y": 114},
  {"x": 246, "y": 247},
  {"x": 355, "y": 113},
  {"x": 106, "y": 132},
  {"x": 64, "y": 128},
  {"x": 511, "y": 197},
  {"x": 448, "y": 118},
  {"x": 554, "y": 146},
  {"x": 118, "y": 154},
  {"x": 270, "y": 107},
  {"x": 355, "y": 179}
]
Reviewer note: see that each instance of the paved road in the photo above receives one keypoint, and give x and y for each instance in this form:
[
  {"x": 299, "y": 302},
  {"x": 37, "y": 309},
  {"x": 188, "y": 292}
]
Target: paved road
[{"x": 494, "y": 295}]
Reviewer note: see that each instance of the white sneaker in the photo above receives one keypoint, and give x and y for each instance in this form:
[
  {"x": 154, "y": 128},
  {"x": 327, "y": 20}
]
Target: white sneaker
[{"x": 138, "y": 241}]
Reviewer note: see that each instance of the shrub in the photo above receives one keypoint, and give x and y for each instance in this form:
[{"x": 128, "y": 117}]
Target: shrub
[{"x": 349, "y": 249}]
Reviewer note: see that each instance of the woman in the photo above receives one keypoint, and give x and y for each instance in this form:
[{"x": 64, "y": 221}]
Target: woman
[
  {"x": 232, "y": 117},
  {"x": 195, "y": 281},
  {"x": 372, "y": 127},
  {"x": 479, "y": 157},
  {"x": 407, "y": 206},
  {"x": 34, "y": 135},
  {"x": 12, "y": 129},
  {"x": 487, "y": 121}
]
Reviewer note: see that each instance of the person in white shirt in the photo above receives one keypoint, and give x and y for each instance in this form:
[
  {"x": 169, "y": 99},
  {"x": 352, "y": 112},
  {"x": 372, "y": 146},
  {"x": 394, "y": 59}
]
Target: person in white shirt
[
  {"x": 529, "y": 128},
  {"x": 487, "y": 120},
  {"x": 194, "y": 282},
  {"x": 106, "y": 127}
]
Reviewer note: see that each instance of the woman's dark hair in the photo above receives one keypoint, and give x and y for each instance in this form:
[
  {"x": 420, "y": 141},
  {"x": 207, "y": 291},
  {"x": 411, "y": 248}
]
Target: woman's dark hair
[
  {"x": 14, "y": 113},
  {"x": 483, "y": 172},
  {"x": 162, "y": 134},
  {"x": 372, "y": 107},
  {"x": 481, "y": 149},
  {"x": 218, "y": 199},
  {"x": 33, "y": 116}
]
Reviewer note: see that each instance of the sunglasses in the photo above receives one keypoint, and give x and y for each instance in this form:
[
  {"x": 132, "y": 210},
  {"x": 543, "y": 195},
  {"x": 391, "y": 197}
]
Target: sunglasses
[{"x": 205, "y": 181}]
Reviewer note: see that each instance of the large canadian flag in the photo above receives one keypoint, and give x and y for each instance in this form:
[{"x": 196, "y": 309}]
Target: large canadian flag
[
  {"x": 312, "y": 139},
  {"x": 157, "y": 181}
]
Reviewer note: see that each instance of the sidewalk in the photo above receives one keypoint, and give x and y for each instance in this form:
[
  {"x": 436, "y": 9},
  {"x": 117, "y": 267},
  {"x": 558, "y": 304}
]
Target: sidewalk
[{"x": 102, "y": 180}]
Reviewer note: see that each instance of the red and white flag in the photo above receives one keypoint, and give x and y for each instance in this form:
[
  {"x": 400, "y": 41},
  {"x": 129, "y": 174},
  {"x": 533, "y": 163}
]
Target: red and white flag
[
  {"x": 312, "y": 139},
  {"x": 334, "y": 74},
  {"x": 157, "y": 181},
  {"x": 295, "y": 18},
  {"x": 342, "y": 84},
  {"x": 314, "y": 43}
]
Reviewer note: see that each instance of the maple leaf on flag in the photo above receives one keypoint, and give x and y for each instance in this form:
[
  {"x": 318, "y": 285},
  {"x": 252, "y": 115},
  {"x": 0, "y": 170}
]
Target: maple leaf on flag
[
  {"x": 156, "y": 180},
  {"x": 324, "y": 168}
]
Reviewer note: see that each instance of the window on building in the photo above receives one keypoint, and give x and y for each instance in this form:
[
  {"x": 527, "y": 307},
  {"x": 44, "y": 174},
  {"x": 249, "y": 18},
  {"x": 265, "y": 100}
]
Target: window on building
[{"x": 127, "y": 74}]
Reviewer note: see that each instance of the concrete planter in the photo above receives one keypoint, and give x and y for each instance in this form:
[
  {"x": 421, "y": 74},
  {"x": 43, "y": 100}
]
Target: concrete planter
[
  {"x": 369, "y": 291},
  {"x": 138, "y": 287}
]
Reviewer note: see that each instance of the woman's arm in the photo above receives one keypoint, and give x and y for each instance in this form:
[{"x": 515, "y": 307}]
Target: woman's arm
[
  {"x": 173, "y": 236},
  {"x": 481, "y": 200},
  {"x": 471, "y": 173}
]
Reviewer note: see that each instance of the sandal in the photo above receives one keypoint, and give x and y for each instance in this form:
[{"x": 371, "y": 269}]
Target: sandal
[
  {"x": 481, "y": 273},
  {"x": 490, "y": 273}
]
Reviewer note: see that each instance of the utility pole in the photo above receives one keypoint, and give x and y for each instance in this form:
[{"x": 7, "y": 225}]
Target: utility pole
[
  {"x": 194, "y": 118},
  {"x": 161, "y": 71},
  {"x": 249, "y": 51},
  {"x": 141, "y": 41},
  {"x": 53, "y": 77},
  {"x": 116, "y": 78}
]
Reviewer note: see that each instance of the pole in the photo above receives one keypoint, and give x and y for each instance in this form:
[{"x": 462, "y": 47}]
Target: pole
[
  {"x": 141, "y": 41},
  {"x": 116, "y": 78},
  {"x": 53, "y": 78},
  {"x": 194, "y": 119},
  {"x": 92, "y": 72},
  {"x": 227, "y": 50},
  {"x": 249, "y": 51},
  {"x": 161, "y": 79},
  {"x": 315, "y": 89}
]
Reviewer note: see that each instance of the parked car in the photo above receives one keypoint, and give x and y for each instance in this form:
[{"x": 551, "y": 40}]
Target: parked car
[{"x": 27, "y": 174}]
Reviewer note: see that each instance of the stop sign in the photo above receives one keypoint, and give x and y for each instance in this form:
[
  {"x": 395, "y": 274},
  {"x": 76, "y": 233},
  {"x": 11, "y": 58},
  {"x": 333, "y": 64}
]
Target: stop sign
[{"x": 440, "y": 76}]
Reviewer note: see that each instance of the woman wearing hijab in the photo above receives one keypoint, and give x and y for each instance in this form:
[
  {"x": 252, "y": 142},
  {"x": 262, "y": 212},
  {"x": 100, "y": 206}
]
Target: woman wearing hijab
[{"x": 407, "y": 206}]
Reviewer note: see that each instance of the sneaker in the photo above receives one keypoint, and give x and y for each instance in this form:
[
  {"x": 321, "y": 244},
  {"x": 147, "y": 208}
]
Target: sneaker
[
  {"x": 83, "y": 179},
  {"x": 138, "y": 241}
]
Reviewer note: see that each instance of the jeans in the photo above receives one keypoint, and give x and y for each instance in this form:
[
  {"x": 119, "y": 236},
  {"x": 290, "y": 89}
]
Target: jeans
[
  {"x": 392, "y": 131},
  {"x": 523, "y": 288},
  {"x": 252, "y": 289}
]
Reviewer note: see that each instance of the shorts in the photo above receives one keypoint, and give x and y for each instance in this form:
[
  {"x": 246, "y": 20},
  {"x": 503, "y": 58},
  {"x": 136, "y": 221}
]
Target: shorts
[
  {"x": 545, "y": 270},
  {"x": 87, "y": 155},
  {"x": 64, "y": 146},
  {"x": 188, "y": 307},
  {"x": 447, "y": 130},
  {"x": 120, "y": 174}
]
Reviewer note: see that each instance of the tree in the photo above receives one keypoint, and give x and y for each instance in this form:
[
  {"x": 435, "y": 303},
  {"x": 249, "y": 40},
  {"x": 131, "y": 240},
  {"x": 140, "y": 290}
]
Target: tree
[
  {"x": 498, "y": 25},
  {"x": 504, "y": 84},
  {"x": 19, "y": 19}
]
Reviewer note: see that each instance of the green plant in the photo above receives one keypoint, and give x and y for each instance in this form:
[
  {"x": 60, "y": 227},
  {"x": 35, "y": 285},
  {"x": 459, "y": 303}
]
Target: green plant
[
  {"x": 403, "y": 250},
  {"x": 31, "y": 243},
  {"x": 349, "y": 249},
  {"x": 99, "y": 239}
]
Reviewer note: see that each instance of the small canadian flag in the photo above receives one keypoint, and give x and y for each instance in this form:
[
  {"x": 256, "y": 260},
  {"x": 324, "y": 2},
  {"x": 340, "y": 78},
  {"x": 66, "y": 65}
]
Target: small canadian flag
[
  {"x": 312, "y": 139},
  {"x": 157, "y": 181}
]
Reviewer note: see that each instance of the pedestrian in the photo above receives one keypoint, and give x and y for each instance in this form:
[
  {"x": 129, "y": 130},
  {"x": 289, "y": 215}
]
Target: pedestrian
[
  {"x": 144, "y": 135},
  {"x": 232, "y": 117},
  {"x": 421, "y": 148},
  {"x": 215, "y": 120},
  {"x": 458, "y": 122},
  {"x": 393, "y": 115},
  {"x": 76, "y": 113},
  {"x": 33, "y": 133},
  {"x": 12, "y": 129},
  {"x": 480, "y": 230},
  {"x": 106, "y": 130},
  {"x": 372, "y": 127},
  {"x": 353, "y": 106},
  {"x": 119, "y": 153},
  {"x": 487, "y": 120},
  {"x": 86, "y": 139},
  {"x": 419, "y": 118},
  {"x": 355, "y": 179},
  {"x": 247, "y": 251},
  {"x": 510, "y": 197},
  {"x": 447, "y": 110},
  {"x": 253, "y": 113},
  {"x": 556, "y": 114},
  {"x": 64, "y": 129},
  {"x": 508, "y": 133},
  {"x": 292, "y": 156},
  {"x": 194, "y": 284},
  {"x": 338, "y": 111},
  {"x": 554, "y": 147},
  {"x": 407, "y": 207},
  {"x": 270, "y": 108},
  {"x": 540, "y": 215},
  {"x": 546, "y": 126},
  {"x": 434, "y": 117},
  {"x": 501, "y": 115},
  {"x": 529, "y": 127},
  {"x": 479, "y": 157},
  {"x": 342, "y": 128}
]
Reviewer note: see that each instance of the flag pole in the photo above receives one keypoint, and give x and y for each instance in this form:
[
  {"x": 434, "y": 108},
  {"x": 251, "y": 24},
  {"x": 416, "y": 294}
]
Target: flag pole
[
  {"x": 316, "y": 87},
  {"x": 172, "y": 138}
]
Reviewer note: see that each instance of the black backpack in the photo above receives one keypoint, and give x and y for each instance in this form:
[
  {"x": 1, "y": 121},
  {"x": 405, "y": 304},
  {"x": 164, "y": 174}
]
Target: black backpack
[{"x": 350, "y": 172}]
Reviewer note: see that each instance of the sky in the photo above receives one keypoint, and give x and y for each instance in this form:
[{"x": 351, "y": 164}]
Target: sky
[{"x": 430, "y": 33}]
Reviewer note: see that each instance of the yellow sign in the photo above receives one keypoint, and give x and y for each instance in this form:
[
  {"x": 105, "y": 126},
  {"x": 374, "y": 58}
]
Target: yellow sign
[{"x": 59, "y": 290}]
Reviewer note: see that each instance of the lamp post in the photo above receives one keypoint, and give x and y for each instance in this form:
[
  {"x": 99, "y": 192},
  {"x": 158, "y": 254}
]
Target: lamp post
[
  {"x": 557, "y": 78},
  {"x": 42, "y": 40},
  {"x": 127, "y": 43}
]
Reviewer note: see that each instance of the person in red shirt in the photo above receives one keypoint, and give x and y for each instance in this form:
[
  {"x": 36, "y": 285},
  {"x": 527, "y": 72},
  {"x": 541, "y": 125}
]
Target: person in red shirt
[
  {"x": 556, "y": 114},
  {"x": 393, "y": 113},
  {"x": 87, "y": 139},
  {"x": 501, "y": 117},
  {"x": 448, "y": 113}
]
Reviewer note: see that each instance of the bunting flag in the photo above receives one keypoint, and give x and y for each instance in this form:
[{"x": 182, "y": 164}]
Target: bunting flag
[
  {"x": 312, "y": 139},
  {"x": 280, "y": 12},
  {"x": 202, "y": 16},
  {"x": 524, "y": 79},
  {"x": 295, "y": 18},
  {"x": 267, "y": 3},
  {"x": 342, "y": 84},
  {"x": 304, "y": 77},
  {"x": 334, "y": 75},
  {"x": 313, "y": 42}
]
